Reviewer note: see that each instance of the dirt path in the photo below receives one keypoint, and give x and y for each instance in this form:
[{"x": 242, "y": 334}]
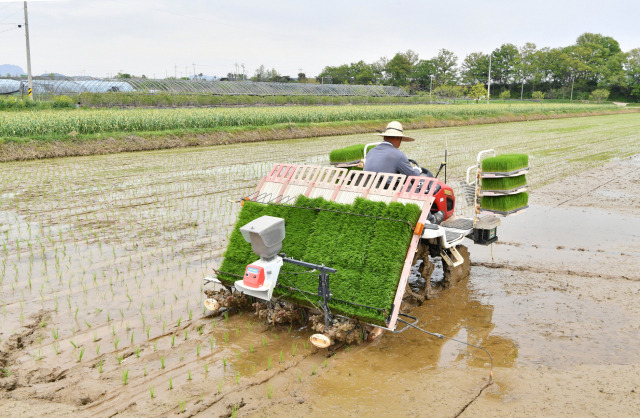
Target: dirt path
[{"x": 556, "y": 305}]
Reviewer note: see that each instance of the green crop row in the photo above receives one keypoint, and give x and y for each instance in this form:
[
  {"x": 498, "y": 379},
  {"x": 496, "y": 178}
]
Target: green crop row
[
  {"x": 64, "y": 122},
  {"x": 368, "y": 252}
]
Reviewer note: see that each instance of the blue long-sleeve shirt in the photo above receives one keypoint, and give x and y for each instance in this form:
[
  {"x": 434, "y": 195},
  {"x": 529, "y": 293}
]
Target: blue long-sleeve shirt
[{"x": 385, "y": 158}]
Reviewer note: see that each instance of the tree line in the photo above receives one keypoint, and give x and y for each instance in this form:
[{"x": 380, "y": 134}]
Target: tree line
[{"x": 594, "y": 63}]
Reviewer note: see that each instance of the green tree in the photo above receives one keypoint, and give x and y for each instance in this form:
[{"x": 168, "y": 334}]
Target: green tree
[
  {"x": 537, "y": 95},
  {"x": 260, "y": 74},
  {"x": 632, "y": 71},
  {"x": 400, "y": 67},
  {"x": 599, "y": 95},
  {"x": 475, "y": 68},
  {"x": 602, "y": 57},
  {"x": 422, "y": 73},
  {"x": 446, "y": 71},
  {"x": 527, "y": 65},
  {"x": 504, "y": 64},
  {"x": 477, "y": 91},
  {"x": 505, "y": 94}
]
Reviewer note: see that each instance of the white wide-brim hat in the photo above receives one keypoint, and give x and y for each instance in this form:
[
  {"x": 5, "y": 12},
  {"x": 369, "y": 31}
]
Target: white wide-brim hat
[{"x": 394, "y": 129}]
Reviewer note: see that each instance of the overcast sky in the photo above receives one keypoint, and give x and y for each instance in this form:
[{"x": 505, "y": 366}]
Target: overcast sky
[{"x": 152, "y": 37}]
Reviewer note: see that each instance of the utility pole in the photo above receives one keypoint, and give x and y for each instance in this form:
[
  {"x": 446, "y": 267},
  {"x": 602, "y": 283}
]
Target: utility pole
[
  {"x": 430, "y": 86},
  {"x": 489, "y": 81},
  {"x": 26, "y": 32},
  {"x": 573, "y": 80}
]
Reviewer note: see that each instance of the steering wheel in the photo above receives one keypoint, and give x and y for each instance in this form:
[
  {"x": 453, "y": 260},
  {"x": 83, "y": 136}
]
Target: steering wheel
[{"x": 414, "y": 162}]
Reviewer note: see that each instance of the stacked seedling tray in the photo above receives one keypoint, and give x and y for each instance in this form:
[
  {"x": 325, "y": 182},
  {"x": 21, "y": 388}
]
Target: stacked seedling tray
[{"x": 504, "y": 184}]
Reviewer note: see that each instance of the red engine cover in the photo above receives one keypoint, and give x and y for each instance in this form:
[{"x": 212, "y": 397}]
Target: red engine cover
[
  {"x": 444, "y": 199},
  {"x": 253, "y": 276}
]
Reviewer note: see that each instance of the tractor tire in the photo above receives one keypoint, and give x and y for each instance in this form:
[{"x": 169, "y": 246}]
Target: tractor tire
[{"x": 453, "y": 275}]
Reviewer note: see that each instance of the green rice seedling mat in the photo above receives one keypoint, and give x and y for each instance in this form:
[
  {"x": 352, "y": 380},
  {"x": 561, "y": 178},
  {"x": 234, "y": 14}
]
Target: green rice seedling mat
[
  {"x": 504, "y": 204},
  {"x": 503, "y": 185},
  {"x": 505, "y": 163},
  {"x": 348, "y": 154},
  {"x": 367, "y": 251}
]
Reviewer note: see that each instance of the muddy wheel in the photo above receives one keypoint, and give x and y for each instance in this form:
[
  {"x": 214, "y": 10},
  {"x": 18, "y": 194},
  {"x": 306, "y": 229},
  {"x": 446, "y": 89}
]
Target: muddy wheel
[
  {"x": 453, "y": 275},
  {"x": 415, "y": 296}
]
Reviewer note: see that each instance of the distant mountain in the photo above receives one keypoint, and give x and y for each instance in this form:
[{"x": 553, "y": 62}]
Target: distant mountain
[{"x": 12, "y": 70}]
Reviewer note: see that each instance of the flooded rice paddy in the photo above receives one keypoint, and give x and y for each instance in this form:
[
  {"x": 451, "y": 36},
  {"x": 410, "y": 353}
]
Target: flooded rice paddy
[{"x": 102, "y": 260}]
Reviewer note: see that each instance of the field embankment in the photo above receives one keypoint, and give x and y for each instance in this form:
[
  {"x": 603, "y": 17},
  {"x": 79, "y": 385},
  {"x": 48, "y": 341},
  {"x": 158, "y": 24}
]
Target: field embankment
[{"x": 26, "y": 135}]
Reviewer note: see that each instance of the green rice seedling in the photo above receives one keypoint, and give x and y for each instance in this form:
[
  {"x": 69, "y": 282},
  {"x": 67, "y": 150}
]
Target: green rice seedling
[
  {"x": 170, "y": 383},
  {"x": 100, "y": 366},
  {"x": 299, "y": 376},
  {"x": 200, "y": 329},
  {"x": 198, "y": 348},
  {"x": 212, "y": 341},
  {"x": 162, "y": 360},
  {"x": 220, "y": 386},
  {"x": 268, "y": 363},
  {"x": 348, "y": 348},
  {"x": 264, "y": 342},
  {"x": 119, "y": 359},
  {"x": 144, "y": 372},
  {"x": 281, "y": 357},
  {"x": 347, "y": 154},
  {"x": 226, "y": 316},
  {"x": 249, "y": 325},
  {"x": 237, "y": 378},
  {"x": 116, "y": 342},
  {"x": 304, "y": 344},
  {"x": 189, "y": 375},
  {"x": 224, "y": 362},
  {"x": 55, "y": 333},
  {"x": 226, "y": 336},
  {"x": 186, "y": 334},
  {"x": 237, "y": 331},
  {"x": 137, "y": 350},
  {"x": 179, "y": 321},
  {"x": 251, "y": 350},
  {"x": 125, "y": 377},
  {"x": 206, "y": 369},
  {"x": 173, "y": 340},
  {"x": 505, "y": 163},
  {"x": 183, "y": 406},
  {"x": 269, "y": 391},
  {"x": 73, "y": 344},
  {"x": 56, "y": 348},
  {"x": 132, "y": 337},
  {"x": 504, "y": 183},
  {"x": 505, "y": 203},
  {"x": 294, "y": 348},
  {"x": 152, "y": 392},
  {"x": 148, "y": 332}
]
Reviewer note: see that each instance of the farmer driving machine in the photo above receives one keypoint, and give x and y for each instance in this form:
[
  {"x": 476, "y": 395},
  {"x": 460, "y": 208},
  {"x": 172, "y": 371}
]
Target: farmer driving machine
[{"x": 349, "y": 252}]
